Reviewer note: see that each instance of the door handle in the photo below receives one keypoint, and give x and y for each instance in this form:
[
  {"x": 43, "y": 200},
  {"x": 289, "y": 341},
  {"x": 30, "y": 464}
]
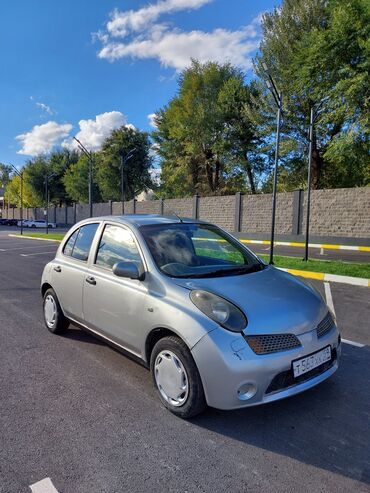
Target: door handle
[
  {"x": 91, "y": 280},
  {"x": 58, "y": 268}
]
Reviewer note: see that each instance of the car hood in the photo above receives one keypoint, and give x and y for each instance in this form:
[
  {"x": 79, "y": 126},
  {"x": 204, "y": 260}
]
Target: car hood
[{"x": 273, "y": 301}]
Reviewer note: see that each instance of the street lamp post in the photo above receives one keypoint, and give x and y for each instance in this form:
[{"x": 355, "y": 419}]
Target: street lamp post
[
  {"x": 47, "y": 199},
  {"x": 20, "y": 174},
  {"x": 278, "y": 98},
  {"x": 89, "y": 156},
  {"x": 124, "y": 160},
  {"x": 309, "y": 184}
]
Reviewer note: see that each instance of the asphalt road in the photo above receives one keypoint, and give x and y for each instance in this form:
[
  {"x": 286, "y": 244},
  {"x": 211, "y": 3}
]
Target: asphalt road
[{"x": 78, "y": 412}]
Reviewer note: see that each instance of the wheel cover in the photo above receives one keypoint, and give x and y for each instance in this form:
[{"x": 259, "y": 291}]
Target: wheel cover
[
  {"x": 171, "y": 378},
  {"x": 50, "y": 311}
]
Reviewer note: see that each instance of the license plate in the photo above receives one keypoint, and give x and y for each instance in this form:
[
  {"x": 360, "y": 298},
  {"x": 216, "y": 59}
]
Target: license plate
[{"x": 308, "y": 363}]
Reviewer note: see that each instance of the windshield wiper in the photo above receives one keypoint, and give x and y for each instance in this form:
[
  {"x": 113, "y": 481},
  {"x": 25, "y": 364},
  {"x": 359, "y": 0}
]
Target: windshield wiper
[{"x": 245, "y": 269}]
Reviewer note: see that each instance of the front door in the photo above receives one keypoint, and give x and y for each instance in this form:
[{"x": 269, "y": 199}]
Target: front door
[{"x": 113, "y": 305}]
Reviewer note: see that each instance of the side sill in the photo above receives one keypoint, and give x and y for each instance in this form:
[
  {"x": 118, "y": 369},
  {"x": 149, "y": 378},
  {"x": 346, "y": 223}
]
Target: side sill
[{"x": 118, "y": 347}]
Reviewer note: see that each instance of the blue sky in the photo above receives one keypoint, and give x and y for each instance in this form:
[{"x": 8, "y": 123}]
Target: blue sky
[{"x": 84, "y": 67}]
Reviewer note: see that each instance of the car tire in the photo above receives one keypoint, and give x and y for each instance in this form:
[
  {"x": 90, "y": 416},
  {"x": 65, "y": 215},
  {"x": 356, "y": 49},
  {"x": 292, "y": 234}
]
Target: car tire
[
  {"x": 54, "y": 318},
  {"x": 32, "y": 226},
  {"x": 181, "y": 393}
]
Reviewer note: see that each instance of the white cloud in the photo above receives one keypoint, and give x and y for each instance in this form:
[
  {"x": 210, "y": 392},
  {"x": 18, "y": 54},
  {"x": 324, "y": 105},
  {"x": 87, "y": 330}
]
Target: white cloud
[
  {"x": 122, "y": 23},
  {"x": 93, "y": 132},
  {"x": 45, "y": 108},
  {"x": 151, "y": 118},
  {"x": 42, "y": 138},
  {"x": 173, "y": 47}
]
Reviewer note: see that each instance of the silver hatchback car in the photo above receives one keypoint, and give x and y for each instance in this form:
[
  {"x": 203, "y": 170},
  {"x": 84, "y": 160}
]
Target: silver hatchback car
[{"x": 214, "y": 323}]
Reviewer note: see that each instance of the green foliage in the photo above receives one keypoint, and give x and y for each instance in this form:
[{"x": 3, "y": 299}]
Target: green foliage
[
  {"x": 204, "y": 134},
  {"x": 5, "y": 174},
  {"x": 76, "y": 179},
  {"x": 13, "y": 192},
  {"x": 318, "y": 52},
  {"x": 123, "y": 142}
]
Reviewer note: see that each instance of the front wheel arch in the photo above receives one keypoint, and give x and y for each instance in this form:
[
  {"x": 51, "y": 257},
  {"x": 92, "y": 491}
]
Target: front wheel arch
[
  {"x": 45, "y": 287},
  {"x": 153, "y": 337}
]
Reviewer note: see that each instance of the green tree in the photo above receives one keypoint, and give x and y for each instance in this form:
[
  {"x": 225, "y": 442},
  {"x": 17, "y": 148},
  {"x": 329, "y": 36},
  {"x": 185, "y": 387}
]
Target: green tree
[
  {"x": 58, "y": 164},
  {"x": 76, "y": 179},
  {"x": 13, "y": 192},
  {"x": 204, "y": 135},
  {"x": 318, "y": 51},
  {"x": 5, "y": 174},
  {"x": 121, "y": 143}
]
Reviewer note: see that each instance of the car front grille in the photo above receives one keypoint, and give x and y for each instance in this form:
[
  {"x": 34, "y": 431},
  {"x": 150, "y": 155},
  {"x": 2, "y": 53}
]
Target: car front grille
[
  {"x": 325, "y": 325},
  {"x": 286, "y": 379},
  {"x": 272, "y": 343}
]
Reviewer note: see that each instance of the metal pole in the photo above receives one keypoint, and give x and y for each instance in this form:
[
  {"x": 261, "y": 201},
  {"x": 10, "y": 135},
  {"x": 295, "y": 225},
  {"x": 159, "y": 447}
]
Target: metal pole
[
  {"x": 278, "y": 124},
  {"x": 90, "y": 187},
  {"x": 21, "y": 177},
  {"x": 47, "y": 203},
  {"x": 309, "y": 185},
  {"x": 122, "y": 187}
]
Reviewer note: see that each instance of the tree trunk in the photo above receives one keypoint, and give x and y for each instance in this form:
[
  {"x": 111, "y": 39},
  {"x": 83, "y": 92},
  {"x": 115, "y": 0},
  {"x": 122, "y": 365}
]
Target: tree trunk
[
  {"x": 208, "y": 154},
  {"x": 250, "y": 176},
  {"x": 317, "y": 164},
  {"x": 217, "y": 174}
]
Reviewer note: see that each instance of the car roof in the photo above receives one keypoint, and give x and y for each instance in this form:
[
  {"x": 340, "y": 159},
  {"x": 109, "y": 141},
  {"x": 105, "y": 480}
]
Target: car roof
[{"x": 145, "y": 219}]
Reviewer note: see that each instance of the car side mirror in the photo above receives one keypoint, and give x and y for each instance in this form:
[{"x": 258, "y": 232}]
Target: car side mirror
[{"x": 127, "y": 269}]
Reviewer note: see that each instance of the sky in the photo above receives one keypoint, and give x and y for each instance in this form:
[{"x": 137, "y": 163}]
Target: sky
[{"x": 85, "y": 67}]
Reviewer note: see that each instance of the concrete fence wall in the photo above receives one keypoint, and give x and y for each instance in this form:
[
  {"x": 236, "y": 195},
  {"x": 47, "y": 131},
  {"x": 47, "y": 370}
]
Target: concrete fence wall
[{"x": 342, "y": 213}]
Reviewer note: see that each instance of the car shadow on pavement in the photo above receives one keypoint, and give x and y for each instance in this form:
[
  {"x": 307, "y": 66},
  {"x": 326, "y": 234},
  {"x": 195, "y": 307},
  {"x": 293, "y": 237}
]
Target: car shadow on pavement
[
  {"x": 326, "y": 427},
  {"x": 77, "y": 334}
]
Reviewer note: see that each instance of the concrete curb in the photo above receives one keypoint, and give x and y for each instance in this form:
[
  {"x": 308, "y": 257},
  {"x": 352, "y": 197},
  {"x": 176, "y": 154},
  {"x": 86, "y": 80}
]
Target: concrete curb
[
  {"x": 354, "y": 281},
  {"x": 311, "y": 245},
  {"x": 33, "y": 238}
]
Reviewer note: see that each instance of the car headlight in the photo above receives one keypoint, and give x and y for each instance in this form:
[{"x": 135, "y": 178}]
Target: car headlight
[{"x": 219, "y": 310}]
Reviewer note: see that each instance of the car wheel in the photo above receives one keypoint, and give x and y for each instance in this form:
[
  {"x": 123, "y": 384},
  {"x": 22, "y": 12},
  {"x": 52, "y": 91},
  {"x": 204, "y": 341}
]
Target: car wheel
[
  {"x": 33, "y": 226},
  {"x": 176, "y": 378},
  {"x": 55, "y": 321}
]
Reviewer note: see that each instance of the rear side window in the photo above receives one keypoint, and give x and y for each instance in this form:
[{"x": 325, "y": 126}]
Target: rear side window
[
  {"x": 79, "y": 244},
  {"x": 83, "y": 242},
  {"x": 68, "y": 247}
]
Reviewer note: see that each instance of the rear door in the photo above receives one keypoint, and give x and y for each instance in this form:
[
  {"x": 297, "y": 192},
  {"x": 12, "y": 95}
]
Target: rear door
[
  {"x": 114, "y": 306},
  {"x": 70, "y": 269}
]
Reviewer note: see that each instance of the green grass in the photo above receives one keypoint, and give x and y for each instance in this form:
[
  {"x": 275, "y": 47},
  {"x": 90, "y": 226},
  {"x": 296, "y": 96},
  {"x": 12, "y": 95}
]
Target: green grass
[
  {"x": 327, "y": 266},
  {"x": 49, "y": 236}
]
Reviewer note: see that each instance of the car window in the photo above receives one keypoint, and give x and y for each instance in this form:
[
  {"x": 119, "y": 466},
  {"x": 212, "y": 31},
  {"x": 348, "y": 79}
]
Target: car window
[
  {"x": 197, "y": 250},
  {"x": 83, "y": 241},
  {"x": 117, "y": 245},
  {"x": 68, "y": 247}
]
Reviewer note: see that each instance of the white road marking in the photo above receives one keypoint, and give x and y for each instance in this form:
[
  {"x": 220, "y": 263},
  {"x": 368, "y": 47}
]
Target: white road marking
[
  {"x": 329, "y": 301},
  {"x": 31, "y": 254},
  {"x": 329, "y": 298},
  {"x": 26, "y": 247},
  {"x": 43, "y": 486},
  {"x": 353, "y": 343}
]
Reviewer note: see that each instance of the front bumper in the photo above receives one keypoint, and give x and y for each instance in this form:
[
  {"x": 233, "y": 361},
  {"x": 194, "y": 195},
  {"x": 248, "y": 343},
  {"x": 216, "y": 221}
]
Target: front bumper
[{"x": 227, "y": 365}]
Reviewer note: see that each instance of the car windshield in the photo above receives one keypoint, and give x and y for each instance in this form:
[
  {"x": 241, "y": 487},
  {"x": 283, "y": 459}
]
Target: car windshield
[{"x": 197, "y": 250}]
